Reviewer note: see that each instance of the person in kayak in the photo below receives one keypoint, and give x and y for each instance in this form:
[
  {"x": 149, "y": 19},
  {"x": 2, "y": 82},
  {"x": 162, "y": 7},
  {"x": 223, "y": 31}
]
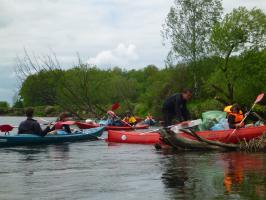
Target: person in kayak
[
  {"x": 149, "y": 120},
  {"x": 175, "y": 106},
  {"x": 31, "y": 126},
  {"x": 60, "y": 125},
  {"x": 113, "y": 119},
  {"x": 234, "y": 116},
  {"x": 130, "y": 119}
]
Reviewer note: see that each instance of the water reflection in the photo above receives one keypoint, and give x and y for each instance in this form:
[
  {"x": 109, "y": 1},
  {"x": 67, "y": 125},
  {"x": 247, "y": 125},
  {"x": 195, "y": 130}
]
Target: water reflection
[
  {"x": 245, "y": 175},
  {"x": 214, "y": 175},
  {"x": 30, "y": 153},
  {"x": 175, "y": 173}
]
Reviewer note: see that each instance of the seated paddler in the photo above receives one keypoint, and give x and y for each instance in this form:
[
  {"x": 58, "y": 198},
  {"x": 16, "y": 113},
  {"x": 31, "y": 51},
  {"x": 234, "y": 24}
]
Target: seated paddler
[
  {"x": 31, "y": 126},
  {"x": 234, "y": 116},
  {"x": 60, "y": 123}
]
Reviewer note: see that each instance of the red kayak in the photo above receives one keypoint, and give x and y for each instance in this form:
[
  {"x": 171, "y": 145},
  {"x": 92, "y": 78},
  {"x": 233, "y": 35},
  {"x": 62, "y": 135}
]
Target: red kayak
[
  {"x": 222, "y": 135},
  {"x": 83, "y": 125},
  {"x": 132, "y": 137},
  {"x": 226, "y": 136}
]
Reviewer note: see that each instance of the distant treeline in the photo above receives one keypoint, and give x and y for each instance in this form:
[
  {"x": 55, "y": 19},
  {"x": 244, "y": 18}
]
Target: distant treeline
[{"x": 91, "y": 91}]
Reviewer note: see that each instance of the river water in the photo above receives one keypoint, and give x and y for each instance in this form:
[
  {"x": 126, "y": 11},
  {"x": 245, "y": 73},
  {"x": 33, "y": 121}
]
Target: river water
[{"x": 98, "y": 170}]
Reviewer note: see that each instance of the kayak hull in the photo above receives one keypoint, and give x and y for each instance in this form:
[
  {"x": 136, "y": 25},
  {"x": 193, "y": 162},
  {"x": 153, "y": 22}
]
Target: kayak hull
[
  {"x": 31, "y": 139},
  {"x": 133, "y": 137},
  {"x": 224, "y": 136},
  {"x": 83, "y": 125}
]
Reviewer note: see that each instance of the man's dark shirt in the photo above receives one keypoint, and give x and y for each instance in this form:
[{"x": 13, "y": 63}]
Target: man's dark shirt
[
  {"x": 31, "y": 126},
  {"x": 176, "y": 105}
]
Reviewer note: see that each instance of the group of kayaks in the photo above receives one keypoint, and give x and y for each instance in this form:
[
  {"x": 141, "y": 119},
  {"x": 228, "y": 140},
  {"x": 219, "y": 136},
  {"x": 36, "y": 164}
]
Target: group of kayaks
[{"x": 126, "y": 134}]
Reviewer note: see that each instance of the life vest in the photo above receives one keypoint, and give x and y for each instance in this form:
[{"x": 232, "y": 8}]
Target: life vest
[
  {"x": 130, "y": 119},
  {"x": 228, "y": 109},
  {"x": 238, "y": 117}
]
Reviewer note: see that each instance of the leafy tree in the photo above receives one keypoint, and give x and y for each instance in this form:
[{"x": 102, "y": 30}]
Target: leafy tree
[
  {"x": 239, "y": 31},
  {"x": 40, "y": 88},
  {"x": 188, "y": 27},
  {"x": 4, "y": 104}
]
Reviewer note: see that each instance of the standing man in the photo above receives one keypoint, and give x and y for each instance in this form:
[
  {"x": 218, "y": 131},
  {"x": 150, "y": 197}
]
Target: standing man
[{"x": 175, "y": 106}]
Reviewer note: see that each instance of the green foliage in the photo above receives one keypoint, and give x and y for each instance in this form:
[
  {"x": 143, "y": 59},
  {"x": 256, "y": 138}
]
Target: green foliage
[
  {"x": 240, "y": 31},
  {"x": 197, "y": 107},
  {"x": 4, "y": 104},
  {"x": 188, "y": 28},
  {"x": 4, "y": 107},
  {"x": 40, "y": 89}
]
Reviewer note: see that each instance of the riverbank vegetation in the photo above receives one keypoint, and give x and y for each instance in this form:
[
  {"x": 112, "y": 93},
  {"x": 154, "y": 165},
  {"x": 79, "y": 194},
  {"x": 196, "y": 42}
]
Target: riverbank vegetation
[{"x": 221, "y": 58}]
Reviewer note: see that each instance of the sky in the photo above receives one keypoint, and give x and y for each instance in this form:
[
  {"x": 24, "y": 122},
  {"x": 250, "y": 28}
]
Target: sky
[{"x": 106, "y": 33}]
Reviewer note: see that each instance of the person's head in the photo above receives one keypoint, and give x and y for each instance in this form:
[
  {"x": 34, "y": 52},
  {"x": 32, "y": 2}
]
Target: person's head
[
  {"x": 111, "y": 114},
  {"x": 235, "y": 108},
  {"x": 187, "y": 94},
  {"x": 29, "y": 112},
  {"x": 63, "y": 116},
  {"x": 128, "y": 114}
]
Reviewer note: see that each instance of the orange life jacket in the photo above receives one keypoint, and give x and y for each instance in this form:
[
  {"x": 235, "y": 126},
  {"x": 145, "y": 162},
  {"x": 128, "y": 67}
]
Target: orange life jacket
[{"x": 238, "y": 117}]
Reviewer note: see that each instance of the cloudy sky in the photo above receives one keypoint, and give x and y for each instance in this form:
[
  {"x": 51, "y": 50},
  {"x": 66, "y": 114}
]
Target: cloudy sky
[{"x": 104, "y": 32}]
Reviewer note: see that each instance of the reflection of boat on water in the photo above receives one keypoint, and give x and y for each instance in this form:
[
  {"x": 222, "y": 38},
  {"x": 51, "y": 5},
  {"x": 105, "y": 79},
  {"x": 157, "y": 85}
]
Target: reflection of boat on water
[
  {"x": 201, "y": 175},
  {"x": 238, "y": 167}
]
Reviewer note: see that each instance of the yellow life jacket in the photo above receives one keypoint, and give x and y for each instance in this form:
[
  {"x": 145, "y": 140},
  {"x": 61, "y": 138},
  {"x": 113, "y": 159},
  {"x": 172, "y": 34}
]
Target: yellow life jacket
[
  {"x": 228, "y": 108},
  {"x": 132, "y": 119}
]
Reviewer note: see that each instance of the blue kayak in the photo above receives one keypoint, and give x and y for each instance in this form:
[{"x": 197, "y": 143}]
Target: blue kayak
[{"x": 61, "y": 136}]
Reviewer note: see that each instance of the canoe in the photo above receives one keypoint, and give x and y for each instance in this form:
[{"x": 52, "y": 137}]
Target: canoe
[
  {"x": 226, "y": 136},
  {"x": 132, "y": 137},
  {"x": 62, "y": 136},
  {"x": 84, "y": 125},
  {"x": 221, "y": 135}
]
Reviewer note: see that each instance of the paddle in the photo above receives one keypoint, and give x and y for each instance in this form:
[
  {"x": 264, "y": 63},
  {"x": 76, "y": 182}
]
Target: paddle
[
  {"x": 176, "y": 127},
  {"x": 6, "y": 128},
  {"x": 258, "y": 99}
]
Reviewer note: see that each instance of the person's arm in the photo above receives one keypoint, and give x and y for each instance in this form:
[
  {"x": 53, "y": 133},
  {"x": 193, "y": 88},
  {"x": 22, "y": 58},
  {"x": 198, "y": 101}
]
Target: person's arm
[
  {"x": 20, "y": 128},
  {"x": 37, "y": 128},
  {"x": 185, "y": 112},
  {"x": 177, "y": 111}
]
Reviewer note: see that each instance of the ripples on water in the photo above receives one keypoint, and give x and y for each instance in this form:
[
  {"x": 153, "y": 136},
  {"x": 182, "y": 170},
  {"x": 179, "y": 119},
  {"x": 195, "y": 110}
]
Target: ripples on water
[{"x": 98, "y": 170}]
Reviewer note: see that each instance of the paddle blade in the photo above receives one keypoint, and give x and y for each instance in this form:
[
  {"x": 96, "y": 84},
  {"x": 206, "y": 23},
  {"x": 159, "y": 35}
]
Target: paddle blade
[
  {"x": 115, "y": 106},
  {"x": 6, "y": 128},
  {"x": 259, "y": 97}
]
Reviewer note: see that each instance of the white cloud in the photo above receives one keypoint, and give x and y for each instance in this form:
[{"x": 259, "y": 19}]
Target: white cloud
[{"x": 121, "y": 56}]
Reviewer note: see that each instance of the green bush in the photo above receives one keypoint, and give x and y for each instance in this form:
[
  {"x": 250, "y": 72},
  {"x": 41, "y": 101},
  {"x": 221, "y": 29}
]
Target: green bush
[{"x": 197, "y": 107}]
